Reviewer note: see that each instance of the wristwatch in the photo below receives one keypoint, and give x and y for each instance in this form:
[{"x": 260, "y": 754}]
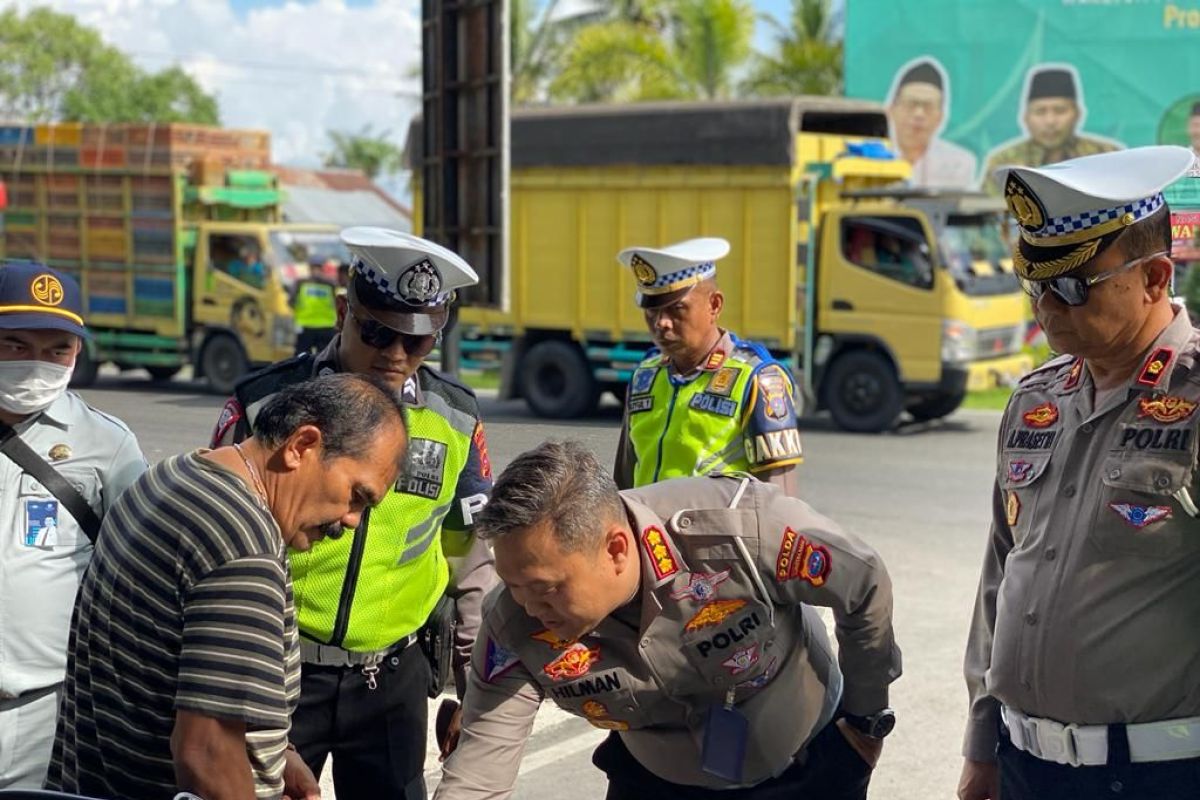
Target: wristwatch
[{"x": 877, "y": 725}]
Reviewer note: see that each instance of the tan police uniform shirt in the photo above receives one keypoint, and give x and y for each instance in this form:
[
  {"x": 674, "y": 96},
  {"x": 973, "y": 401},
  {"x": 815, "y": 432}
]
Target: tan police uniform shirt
[
  {"x": 726, "y": 602},
  {"x": 1090, "y": 593}
]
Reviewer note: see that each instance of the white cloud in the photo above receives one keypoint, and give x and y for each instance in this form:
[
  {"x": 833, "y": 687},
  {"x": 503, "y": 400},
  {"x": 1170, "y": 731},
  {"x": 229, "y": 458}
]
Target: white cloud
[{"x": 298, "y": 69}]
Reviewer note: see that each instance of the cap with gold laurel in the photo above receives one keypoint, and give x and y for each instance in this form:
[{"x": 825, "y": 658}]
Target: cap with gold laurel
[
  {"x": 663, "y": 273},
  {"x": 1070, "y": 212},
  {"x": 418, "y": 277}
]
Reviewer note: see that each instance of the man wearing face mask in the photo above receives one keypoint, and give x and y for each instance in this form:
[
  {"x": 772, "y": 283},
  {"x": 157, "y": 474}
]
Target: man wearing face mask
[
  {"x": 44, "y": 548},
  {"x": 365, "y": 600},
  {"x": 703, "y": 400}
]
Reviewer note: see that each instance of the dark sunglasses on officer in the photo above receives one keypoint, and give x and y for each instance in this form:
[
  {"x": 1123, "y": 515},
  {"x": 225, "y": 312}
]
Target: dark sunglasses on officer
[
  {"x": 374, "y": 334},
  {"x": 1073, "y": 290}
]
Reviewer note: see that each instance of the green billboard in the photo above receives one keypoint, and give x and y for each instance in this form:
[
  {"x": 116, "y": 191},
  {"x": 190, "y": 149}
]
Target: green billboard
[{"x": 974, "y": 84}]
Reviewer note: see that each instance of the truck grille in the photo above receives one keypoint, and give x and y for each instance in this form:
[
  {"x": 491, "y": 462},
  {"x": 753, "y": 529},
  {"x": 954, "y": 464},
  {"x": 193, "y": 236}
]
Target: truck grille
[{"x": 993, "y": 342}]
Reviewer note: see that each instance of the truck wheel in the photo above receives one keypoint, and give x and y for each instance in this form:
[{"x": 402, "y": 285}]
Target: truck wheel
[
  {"x": 936, "y": 407},
  {"x": 163, "y": 373},
  {"x": 862, "y": 392},
  {"x": 223, "y": 363},
  {"x": 557, "y": 382},
  {"x": 86, "y": 368}
]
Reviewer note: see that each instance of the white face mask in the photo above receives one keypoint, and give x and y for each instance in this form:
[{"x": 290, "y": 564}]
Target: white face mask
[{"x": 27, "y": 387}]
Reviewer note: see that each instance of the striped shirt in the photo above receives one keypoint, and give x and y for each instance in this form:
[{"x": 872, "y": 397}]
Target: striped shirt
[{"x": 187, "y": 605}]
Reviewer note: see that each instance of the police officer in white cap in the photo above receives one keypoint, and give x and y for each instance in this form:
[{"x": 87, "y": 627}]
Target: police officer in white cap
[
  {"x": 703, "y": 401},
  {"x": 1082, "y": 659},
  {"x": 371, "y": 605}
]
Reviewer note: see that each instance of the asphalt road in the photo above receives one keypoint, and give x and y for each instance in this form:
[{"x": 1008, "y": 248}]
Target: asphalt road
[{"x": 920, "y": 496}]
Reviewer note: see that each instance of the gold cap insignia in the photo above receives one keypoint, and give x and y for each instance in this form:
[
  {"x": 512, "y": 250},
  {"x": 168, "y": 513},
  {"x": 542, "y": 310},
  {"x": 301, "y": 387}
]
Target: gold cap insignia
[
  {"x": 47, "y": 290},
  {"x": 642, "y": 270},
  {"x": 1024, "y": 204}
]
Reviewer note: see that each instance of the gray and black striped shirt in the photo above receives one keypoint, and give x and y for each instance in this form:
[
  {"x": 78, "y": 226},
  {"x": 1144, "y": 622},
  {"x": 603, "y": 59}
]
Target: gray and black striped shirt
[{"x": 187, "y": 605}]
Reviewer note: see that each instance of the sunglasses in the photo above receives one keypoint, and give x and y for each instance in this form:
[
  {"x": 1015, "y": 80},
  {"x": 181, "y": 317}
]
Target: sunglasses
[
  {"x": 375, "y": 334},
  {"x": 1072, "y": 290}
]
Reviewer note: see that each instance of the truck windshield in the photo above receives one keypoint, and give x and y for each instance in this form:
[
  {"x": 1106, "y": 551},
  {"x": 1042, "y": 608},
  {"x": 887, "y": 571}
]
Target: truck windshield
[
  {"x": 299, "y": 254},
  {"x": 975, "y": 252}
]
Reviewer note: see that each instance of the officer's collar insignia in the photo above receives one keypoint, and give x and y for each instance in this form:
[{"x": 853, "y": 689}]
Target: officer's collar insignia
[
  {"x": 1140, "y": 516},
  {"x": 662, "y": 559},
  {"x": 741, "y": 660},
  {"x": 800, "y": 559},
  {"x": 499, "y": 661},
  {"x": 1019, "y": 471},
  {"x": 715, "y": 359},
  {"x": 1042, "y": 416},
  {"x": 1165, "y": 408},
  {"x": 701, "y": 586},
  {"x": 574, "y": 662},
  {"x": 420, "y": 284},
  {"x": 761, "y": 680},
  {"x": 1025, "y": 206},
  {"x": 47, "y": 290},
  {"x": 1074, "y": 375},
  {"x": 713, "y": 613},
  {"x": 1155, "y": 367},
  {"x": 1012, "y": 508},
  {"x": 544, "y": 635},
  {"x": 643, "y": 270}
]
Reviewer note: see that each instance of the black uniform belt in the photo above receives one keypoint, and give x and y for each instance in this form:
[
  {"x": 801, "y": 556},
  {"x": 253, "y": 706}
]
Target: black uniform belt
[{"x": 330, "y": 656}]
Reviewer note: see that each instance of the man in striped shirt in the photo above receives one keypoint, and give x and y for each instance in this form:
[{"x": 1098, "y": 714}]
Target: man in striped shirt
[{"x": 184, "y": 664}]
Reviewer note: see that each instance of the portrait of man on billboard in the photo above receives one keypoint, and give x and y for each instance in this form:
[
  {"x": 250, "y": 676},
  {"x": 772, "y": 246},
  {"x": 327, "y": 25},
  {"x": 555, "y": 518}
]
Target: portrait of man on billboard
[
  {"x": 1052, "y": 113},
  {"x": 918, "y": 106}
]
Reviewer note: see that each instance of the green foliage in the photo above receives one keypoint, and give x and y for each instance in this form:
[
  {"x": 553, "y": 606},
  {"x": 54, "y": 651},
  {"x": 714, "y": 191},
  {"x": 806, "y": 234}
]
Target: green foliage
[
  {"x": 374, "y": 154},
  {"x": 1191, "y": 290},
  {"x": 805, "y": 61},
  {"x": 657, "y": 50},
  {"x": 52, "y": 68}
]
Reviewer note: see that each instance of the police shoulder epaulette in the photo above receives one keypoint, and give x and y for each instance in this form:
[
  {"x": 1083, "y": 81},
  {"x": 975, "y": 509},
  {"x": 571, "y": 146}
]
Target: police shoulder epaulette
[
  {"x": 751, "y": 351},
  {"x": 270, "y": 379},
  {"x": 1046, "y": 373},
  {"x": 453, "y": 390}
]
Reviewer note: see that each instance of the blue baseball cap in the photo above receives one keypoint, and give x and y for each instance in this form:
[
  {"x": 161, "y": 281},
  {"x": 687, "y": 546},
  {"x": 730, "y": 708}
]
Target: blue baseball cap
[{"x": 36, "y": 297}]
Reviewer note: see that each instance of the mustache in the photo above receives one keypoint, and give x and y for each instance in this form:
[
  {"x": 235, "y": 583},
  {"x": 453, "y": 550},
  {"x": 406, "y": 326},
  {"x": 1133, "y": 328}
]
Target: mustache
[{"x": 331, "y": 530}]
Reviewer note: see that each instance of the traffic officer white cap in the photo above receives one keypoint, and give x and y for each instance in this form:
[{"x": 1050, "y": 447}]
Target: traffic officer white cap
[
  {"x": 415, "y": 278},
  {"x": 1070, "y": 212},
  {"x": 664, "y": 273}
]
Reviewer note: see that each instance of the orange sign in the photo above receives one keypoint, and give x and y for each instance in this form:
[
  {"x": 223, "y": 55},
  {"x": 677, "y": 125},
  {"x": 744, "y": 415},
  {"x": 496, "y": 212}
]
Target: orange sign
[
  {"x": 1165, "y": 409},
  {"x": 1042, "y": 416},
  {"x": 573, "y": 663},
  {"x": 713, "y": 613}
]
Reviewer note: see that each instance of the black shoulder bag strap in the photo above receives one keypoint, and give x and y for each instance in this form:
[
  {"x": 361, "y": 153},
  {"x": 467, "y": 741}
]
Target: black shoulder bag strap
[{"x": 23, "y": 456}]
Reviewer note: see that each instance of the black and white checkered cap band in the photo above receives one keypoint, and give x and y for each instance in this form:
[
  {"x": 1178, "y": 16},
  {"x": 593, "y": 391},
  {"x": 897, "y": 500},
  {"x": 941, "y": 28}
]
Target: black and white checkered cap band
[
  {"x": 705, "y": 270},
  {"x": 383, "y": 283},
  {"x": 1073, "y": 223}
]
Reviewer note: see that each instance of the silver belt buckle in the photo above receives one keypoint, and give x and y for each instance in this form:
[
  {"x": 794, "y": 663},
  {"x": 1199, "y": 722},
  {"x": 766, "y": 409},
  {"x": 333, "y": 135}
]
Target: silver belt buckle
[{"x": 1057, "y": 742}]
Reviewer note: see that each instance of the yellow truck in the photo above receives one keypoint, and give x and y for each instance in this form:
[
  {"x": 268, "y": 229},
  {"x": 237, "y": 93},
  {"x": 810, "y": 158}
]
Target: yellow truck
[
  {"x": 174, "y": 235},
  {"x": 882, "y": 298}
]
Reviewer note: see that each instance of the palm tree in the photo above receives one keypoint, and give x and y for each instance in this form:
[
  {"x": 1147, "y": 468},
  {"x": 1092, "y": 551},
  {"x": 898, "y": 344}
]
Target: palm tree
[
  {"x": 657, "y": 49},
  {"x": 806, "y": 60}
]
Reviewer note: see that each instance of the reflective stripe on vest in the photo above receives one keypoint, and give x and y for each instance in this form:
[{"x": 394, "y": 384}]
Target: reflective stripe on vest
[
  {"x": 689, "y": 429},
  {"x": 315, "y": 306},
  {"x": 369, "y": 596}
]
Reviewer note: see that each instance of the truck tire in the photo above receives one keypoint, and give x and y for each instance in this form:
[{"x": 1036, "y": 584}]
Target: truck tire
[
  {"x": 863, "y": 393},
  {"x": 85, "y": 370},
  {"x": 556, "y": 381},
  {"x": 936, "y": 407},
  {"x": 162, "y": 372},
  {"x": 223, "y": 363}
]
